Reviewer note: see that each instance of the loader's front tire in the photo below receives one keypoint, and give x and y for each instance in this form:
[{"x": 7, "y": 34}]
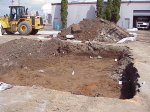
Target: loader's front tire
[
  {"x": 34, "y": 31},
  {"x": 24, "y": 28}
]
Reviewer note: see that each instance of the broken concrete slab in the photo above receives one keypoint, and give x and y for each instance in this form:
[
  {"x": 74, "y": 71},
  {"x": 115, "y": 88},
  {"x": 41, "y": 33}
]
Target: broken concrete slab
[
  {"x": 127, "y": 39},
  {"x": 4, "y": 86}
]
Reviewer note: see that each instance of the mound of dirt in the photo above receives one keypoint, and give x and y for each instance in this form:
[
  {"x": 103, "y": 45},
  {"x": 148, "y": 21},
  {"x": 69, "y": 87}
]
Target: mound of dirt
[
  {"x": 16, "y": 52},
  {"x": 95, "y": 29}
]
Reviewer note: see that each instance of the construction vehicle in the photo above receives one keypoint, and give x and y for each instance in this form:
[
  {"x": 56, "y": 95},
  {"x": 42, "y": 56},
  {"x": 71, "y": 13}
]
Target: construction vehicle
[{"x": 20, "y": 21}]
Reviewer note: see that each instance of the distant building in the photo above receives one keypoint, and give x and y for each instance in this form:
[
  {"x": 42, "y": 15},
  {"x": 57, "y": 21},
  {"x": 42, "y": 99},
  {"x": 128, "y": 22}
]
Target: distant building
[
  {"x": 131, "y": 12},
  {"x": 46, "y": 9}
]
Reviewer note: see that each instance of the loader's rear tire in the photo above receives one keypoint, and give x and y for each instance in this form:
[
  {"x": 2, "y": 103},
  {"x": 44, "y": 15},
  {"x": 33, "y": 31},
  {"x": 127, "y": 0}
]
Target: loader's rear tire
[
  {"x": 34, "y": 31},
  {"x": 24, "y": 28},
  {"x": 9, "y": 32}
]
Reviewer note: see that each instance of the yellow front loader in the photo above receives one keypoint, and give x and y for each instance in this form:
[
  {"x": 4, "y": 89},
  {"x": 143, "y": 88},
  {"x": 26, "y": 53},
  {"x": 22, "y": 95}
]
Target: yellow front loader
[{"x": 20, "y": 21}]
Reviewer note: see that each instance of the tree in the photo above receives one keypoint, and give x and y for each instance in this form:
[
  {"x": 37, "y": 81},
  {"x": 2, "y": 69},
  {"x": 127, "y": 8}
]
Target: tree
[
  {"x": 99, "y": 8},
  {"x": 115, "y": 10},
  {"x": 115, "y": 14},
  {"x": 108, "y": 13},
  {"x": 117, "y": 3},
  {"x": 64, "y": 13}
]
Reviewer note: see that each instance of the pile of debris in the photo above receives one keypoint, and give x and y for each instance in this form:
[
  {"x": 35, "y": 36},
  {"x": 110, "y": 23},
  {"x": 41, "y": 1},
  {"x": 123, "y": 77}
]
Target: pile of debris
[{"x": 95, "y": 29}]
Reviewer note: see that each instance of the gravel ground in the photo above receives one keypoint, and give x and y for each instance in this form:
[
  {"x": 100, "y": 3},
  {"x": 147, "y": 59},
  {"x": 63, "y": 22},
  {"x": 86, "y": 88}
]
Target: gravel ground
[{"x": 5, "y": 38}]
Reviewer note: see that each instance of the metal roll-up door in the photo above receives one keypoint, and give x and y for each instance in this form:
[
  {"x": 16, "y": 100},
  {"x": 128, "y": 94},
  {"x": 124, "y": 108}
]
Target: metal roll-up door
[{"x": 141, "y": 13}]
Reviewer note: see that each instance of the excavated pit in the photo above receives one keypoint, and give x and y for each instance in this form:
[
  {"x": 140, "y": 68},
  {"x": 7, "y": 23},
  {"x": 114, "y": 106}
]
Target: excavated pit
[{"x": 80, "y": 68}]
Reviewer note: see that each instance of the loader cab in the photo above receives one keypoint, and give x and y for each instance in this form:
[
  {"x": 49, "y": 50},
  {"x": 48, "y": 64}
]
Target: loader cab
[{"x": 16, "y": 12}]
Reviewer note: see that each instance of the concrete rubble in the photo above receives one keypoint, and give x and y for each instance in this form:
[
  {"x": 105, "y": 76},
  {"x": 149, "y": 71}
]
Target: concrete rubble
[{"x": 4, "y": 86}]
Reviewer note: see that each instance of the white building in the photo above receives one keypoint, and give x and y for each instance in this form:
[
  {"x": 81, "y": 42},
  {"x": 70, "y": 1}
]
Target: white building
[{"x": 131, "y": 11}]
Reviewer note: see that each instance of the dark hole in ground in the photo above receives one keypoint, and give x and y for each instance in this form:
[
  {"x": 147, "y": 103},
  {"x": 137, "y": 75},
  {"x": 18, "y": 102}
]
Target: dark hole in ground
[{"x": 129, "y": 82}]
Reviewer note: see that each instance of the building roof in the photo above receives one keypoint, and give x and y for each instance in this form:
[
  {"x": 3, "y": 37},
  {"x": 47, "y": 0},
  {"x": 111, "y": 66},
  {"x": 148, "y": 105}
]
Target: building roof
[
  {"x": 77, "y": 1},
  {"x": 94, "y": 1}
]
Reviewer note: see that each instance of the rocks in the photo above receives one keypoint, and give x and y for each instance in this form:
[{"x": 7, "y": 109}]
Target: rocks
[
  {"x": 126, "y": 40},
  {"x": 99, "y": 57},
  {"x": 69, "y": 36},
  {"x": 41, "y": 71},
  {"x": 4, "y": 86},
  {"x": 75, "y": 28}
]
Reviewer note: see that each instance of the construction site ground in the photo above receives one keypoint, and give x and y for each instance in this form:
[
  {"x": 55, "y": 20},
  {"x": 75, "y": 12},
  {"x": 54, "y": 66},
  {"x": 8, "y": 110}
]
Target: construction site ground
[
  {"x": 5, "y": 38},
  {"x": 40, "y": 99}
]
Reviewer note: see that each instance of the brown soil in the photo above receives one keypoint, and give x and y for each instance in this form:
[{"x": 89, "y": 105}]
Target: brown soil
[
  {"x": 51, "y": 63},
  {"x": 96, "y": 29},
  {"x": 91, "y": 77}
]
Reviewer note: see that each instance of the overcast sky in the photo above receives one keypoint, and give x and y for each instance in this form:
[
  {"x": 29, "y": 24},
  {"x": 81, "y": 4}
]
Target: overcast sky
[
  {"x": 36, "y": 4},
  {"x": 31, "y": 4}
]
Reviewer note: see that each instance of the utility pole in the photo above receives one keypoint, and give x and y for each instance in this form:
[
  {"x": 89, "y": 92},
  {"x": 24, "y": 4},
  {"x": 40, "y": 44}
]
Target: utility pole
[
  {"x": 19, "y": 2},
  {"x": 15, "y": 2},
  {"x": 12, "y": 2}
]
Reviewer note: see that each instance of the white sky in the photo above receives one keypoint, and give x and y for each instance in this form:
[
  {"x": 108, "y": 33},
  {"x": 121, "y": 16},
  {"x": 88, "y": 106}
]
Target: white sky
[{"x": 37, "y": 4}]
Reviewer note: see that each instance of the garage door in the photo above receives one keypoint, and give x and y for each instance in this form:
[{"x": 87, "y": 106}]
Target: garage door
[{"x": 141, "y": 13}]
